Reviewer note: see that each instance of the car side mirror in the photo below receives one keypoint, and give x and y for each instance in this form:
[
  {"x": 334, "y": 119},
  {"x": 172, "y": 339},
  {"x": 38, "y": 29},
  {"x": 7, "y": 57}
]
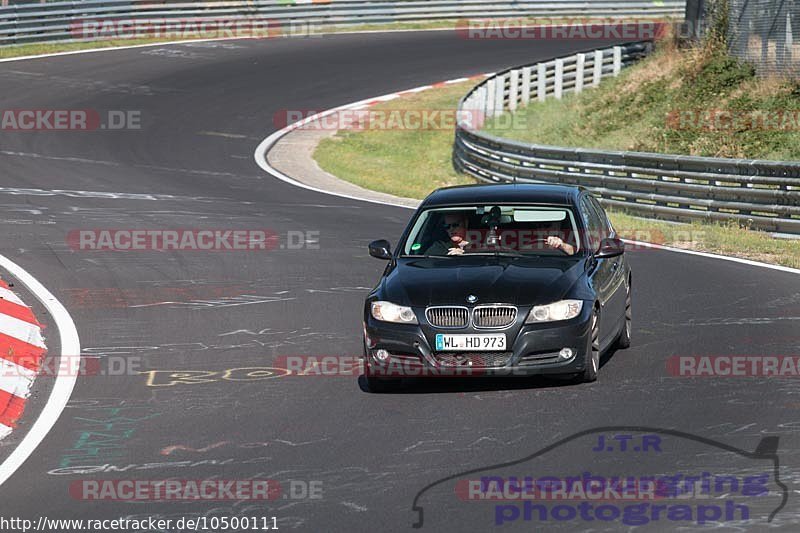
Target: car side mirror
[
  {"x": 380, "y": 249},
  {"x": 610, "y": 247}
]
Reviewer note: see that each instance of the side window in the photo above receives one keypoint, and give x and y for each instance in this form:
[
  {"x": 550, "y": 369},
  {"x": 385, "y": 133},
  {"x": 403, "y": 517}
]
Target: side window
[
  {"x": 603, "y": 217},
  {"x": 592, "y": 223}
]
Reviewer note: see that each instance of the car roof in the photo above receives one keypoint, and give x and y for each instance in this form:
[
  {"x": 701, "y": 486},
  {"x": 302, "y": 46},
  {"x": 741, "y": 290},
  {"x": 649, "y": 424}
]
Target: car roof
[{"x": 544, "y": 193}]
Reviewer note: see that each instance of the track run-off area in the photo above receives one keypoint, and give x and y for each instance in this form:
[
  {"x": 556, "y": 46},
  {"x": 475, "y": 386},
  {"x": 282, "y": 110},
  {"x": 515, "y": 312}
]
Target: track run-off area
[{"x": 187, "y": 344}]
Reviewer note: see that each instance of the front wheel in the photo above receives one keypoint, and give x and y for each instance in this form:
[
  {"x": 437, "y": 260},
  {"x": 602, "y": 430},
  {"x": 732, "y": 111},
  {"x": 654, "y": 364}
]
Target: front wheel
[{"x": 593, "y": 350}]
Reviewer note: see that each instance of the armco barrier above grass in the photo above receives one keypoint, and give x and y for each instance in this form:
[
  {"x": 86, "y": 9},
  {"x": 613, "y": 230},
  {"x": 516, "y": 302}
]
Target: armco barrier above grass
[
  {"x": 92, "y": 19},
  {"x": 753, "y": 193}
]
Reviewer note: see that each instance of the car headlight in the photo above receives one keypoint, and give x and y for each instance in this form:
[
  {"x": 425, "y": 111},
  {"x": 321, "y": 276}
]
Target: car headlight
[
  {"x": 389, "y": 312},
  {"x": 563, "y": 310}
]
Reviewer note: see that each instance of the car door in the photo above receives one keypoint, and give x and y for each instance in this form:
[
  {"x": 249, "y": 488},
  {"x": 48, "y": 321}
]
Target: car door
[
  {"x": 601, "y": 275},
  {"x": 618, "y": 283}
]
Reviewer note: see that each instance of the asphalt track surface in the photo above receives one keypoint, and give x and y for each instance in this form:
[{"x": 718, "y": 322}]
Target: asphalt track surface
[{"x": 204, "y": 108}]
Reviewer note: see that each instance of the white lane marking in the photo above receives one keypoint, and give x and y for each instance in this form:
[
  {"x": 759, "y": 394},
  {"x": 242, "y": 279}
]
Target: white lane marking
[
  {"x": 264, "y": 146},
  {"x": 115, "y": 164},
  {"x": 109, "y": 48},
  {"x": 8, "y": 295},
  {"x": 191, "y": 41},
  {"x": 15, "y": 191},
  {"x": 59, "y": 158},
  {"x": 15, "y": 379},
  {"x": 65, "y": 380},
  {"x": 5, "y": 431},
  {"x": 21, "y": 330}
]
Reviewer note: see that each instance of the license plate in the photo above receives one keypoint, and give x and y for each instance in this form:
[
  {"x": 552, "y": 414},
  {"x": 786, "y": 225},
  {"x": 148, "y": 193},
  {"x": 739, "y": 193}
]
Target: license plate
[{"x": 478, "y": 343}]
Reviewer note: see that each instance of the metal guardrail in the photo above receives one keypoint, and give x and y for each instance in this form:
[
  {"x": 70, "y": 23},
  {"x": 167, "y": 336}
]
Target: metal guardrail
[
  {"x": 56, "y": 21},
  {"x": 756, "y": 193}
]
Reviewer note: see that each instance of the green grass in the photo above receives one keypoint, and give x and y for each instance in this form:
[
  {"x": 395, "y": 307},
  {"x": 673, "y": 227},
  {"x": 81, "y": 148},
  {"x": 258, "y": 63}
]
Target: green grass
[
  {"x": 411, "y": 163},
  {"x": 652, "y": 106},
  {"x": 403, "y": 162},
  {"x": 725, "y": 239},
  {"x": 34, "y": 49}
]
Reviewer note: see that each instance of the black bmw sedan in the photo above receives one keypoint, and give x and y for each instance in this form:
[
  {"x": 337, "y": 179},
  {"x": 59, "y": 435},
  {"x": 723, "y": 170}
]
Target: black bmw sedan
[{"x": 493, "y": 280}]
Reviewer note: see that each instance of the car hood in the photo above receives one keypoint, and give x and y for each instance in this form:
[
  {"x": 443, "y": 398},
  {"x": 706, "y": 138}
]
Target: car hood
[{"x": 448, "y": 281}]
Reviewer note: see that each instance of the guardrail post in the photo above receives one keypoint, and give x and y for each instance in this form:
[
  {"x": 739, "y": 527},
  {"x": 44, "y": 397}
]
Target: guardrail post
[
  {"x": 617, "y": 60},
  {"x": 541, "y": 82},
  {"x": 788, "y": 42},
  {"x": 469, "y": 103},
  {"x": 513, "y": 90},
  {"x": 580, "y": 68},
  {"x": 526, "y": 85},
  {"x": 488, "y": 101},
  {"x": 558, "y": 88},
  {"x": 499, "y": 93},
  {"x": 490, "y": 92},
  {"x": 598, "y": 68},
  {"x": 480, "y": 104}
]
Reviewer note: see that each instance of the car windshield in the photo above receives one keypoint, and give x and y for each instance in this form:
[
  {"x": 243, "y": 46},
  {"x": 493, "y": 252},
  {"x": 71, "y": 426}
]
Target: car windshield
[{"x": 517, "y": 230}]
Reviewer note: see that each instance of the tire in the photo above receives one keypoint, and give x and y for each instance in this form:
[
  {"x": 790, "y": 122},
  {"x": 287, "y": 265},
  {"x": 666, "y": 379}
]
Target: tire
[
  {"x": 593, "y": 350},
  {"x": 624, "y": 339}
]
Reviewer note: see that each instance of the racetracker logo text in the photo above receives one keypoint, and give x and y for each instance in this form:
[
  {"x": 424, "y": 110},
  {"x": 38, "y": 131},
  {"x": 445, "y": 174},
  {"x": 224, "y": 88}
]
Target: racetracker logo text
[
  {"x": 192, "y": 28},
  {"x": 165, "y": 240},
  {"x": 68, "y": 120},
  {"x": 562, "y": 30},
  {"x": 174, "y": 489}
]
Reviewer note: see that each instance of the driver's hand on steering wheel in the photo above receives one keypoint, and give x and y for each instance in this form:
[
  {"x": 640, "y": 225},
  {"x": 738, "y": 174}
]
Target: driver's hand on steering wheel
[{"x": 558, "y": 244}]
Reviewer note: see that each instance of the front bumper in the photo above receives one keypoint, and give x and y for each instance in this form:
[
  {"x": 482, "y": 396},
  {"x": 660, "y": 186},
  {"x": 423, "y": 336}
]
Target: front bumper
[{"x": 533, "y": 349}]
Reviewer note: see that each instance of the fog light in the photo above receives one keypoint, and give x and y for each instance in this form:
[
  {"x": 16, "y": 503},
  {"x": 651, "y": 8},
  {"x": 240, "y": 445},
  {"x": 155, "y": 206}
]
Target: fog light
[
  {"x": 382, "y": 355},
  {"x": 565, "y": 353}
]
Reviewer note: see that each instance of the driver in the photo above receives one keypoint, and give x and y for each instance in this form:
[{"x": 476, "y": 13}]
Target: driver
[{"x": 455, "y": 224}]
